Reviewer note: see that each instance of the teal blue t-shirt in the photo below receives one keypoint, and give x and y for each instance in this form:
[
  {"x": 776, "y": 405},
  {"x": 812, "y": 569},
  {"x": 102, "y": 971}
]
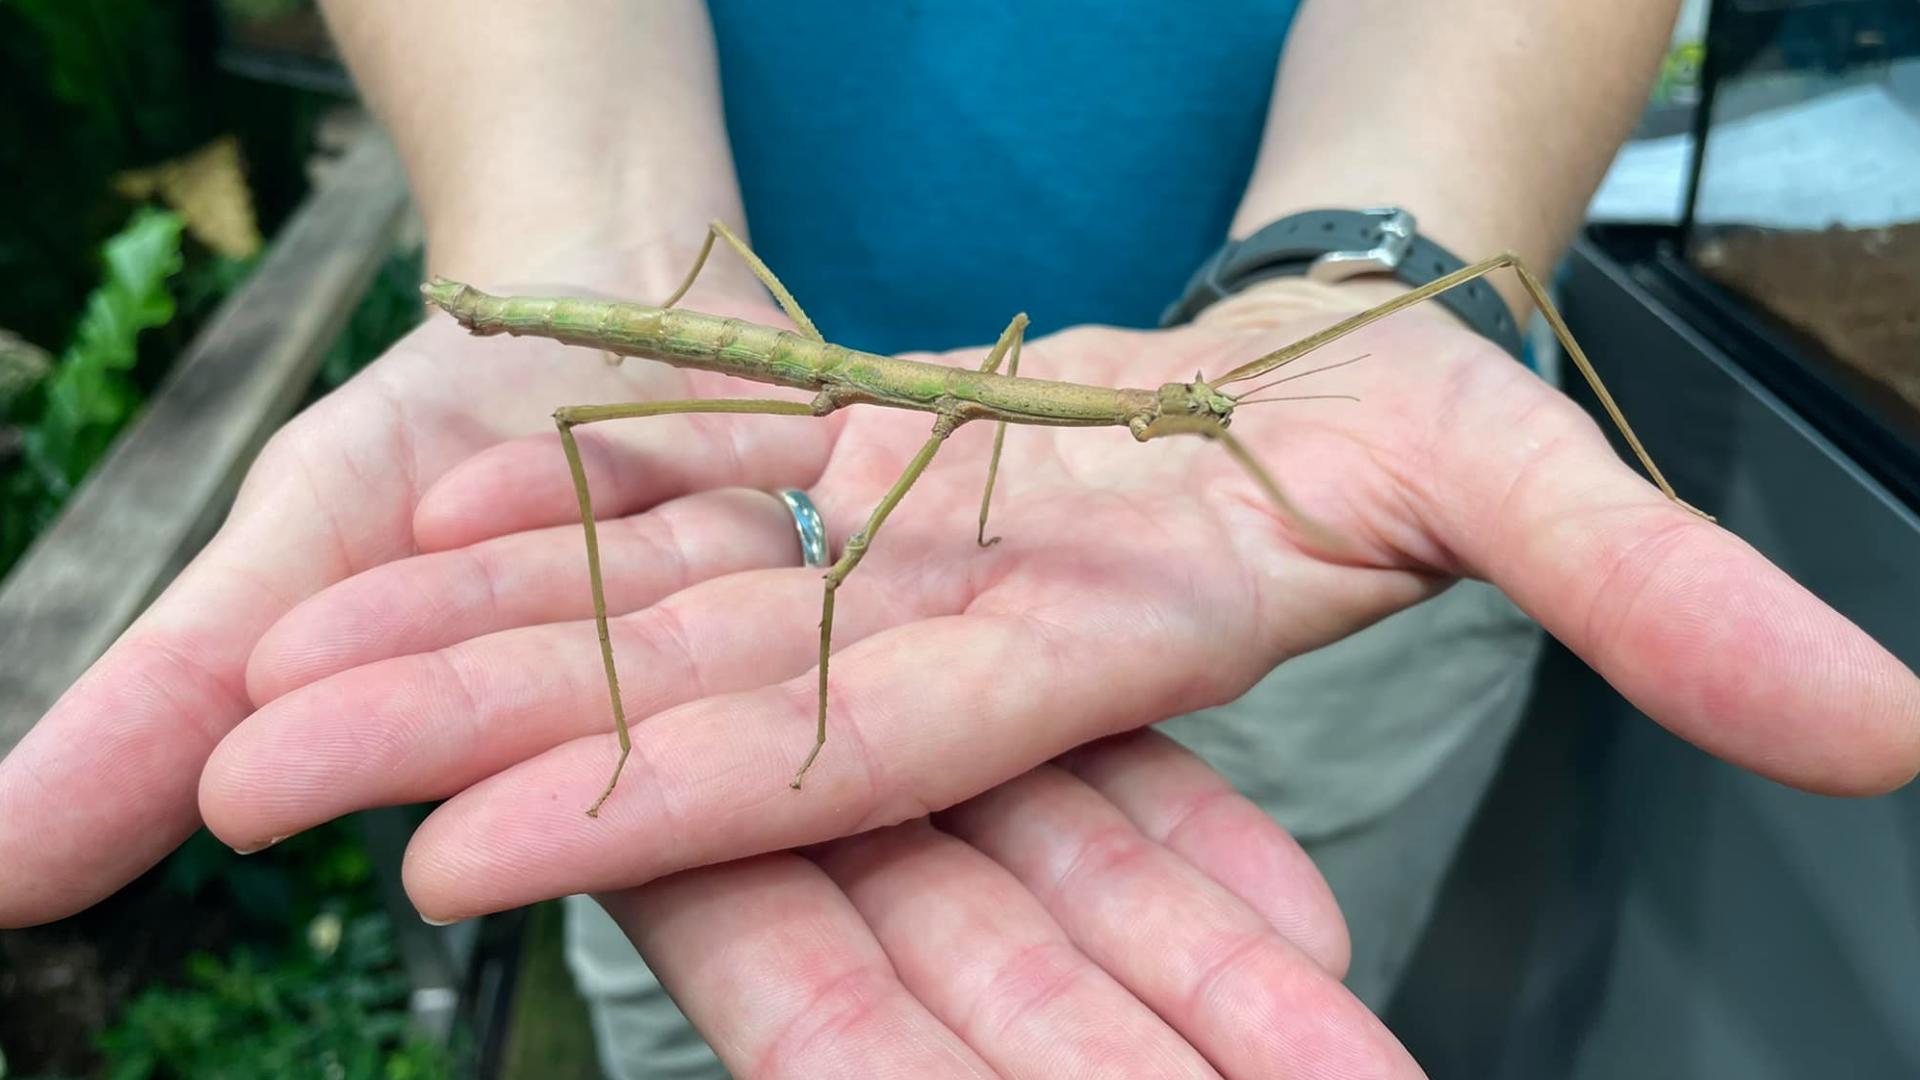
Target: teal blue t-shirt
[{"x": 917, "y": 171}]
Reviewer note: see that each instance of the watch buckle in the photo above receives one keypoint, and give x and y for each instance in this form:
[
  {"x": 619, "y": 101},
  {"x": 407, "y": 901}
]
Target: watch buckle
[{"x": 1397, "y": 228}]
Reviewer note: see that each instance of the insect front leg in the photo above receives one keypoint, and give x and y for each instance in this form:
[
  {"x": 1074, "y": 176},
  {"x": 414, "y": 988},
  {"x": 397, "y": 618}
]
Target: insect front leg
[
  {"x": 1321, "y": 536},
  {"x": 1536, "y": 292}
]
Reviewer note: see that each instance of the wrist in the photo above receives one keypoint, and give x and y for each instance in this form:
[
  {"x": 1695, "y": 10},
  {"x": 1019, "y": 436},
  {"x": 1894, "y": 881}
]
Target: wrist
[
  {"x": 1284, "y": 301},
  {"x": 1351, "y": 260},
  {"x": 539, "y": 142}
]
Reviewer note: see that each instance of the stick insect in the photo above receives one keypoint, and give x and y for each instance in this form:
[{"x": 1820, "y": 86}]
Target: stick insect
[{"x": 840, "y": 376}]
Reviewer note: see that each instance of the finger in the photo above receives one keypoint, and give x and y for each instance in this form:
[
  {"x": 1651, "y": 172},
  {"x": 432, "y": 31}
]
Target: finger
[
  {"x": 987, "y": 960},
  {"x": 1180, "y": 803},
  {"x": 780, "y": 974},
  {"x": 1189, "y": 949},
  {"x": 103, "y": 786},
  {"x": 920, "y": 716},
  {"x": 1690, "y": 623},
  {"x": 630, "y": 466},
  {"x": 424, "y": 726},
  {"x": 436, "y": 600}
]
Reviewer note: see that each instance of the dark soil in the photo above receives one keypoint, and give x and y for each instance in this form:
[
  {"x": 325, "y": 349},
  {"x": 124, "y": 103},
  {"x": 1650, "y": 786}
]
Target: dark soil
[
  {"x": 62, "y": 983},
  {"x": 1856, "y": 292}
]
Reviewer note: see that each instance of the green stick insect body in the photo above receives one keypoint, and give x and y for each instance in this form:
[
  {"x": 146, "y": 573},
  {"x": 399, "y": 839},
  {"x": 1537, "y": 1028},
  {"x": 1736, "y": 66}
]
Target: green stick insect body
[{"x": 840, "y": 376}]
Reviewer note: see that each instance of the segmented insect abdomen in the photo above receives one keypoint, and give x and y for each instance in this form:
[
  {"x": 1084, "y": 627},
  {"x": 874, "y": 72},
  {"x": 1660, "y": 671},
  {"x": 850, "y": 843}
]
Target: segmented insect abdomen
[{"x": 682, "y": 338}]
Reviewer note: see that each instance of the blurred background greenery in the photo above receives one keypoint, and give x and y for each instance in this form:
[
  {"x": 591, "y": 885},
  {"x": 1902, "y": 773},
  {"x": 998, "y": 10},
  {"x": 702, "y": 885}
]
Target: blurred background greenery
[
  {"x": 143, "y": 170},
  {"x": 149, "y": 151}
]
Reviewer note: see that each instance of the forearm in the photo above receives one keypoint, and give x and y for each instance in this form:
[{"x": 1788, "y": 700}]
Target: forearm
[
  {"x": 541, "y": 136},
  {"x": 1490, "y": 120}
]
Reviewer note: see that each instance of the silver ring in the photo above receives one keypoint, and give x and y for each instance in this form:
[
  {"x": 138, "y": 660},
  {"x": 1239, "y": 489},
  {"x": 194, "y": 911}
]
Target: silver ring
[{"x": 806, "y": 521}]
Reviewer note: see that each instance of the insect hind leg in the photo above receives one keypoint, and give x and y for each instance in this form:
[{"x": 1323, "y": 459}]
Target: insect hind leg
[
  {"x": 1009, "y": 347},
  {"x": 566, "y": 419},
  {"x": 856, "y": 550}
]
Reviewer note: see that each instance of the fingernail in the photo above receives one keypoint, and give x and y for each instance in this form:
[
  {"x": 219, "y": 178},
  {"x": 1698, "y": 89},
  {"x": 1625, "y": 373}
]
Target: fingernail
[
  {"x": 430, "y": 921},
  {"x": 257, "y": 848}
]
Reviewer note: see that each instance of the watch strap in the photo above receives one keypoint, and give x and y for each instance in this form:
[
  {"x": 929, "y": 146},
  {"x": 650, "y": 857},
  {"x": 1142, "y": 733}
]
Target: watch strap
[{"x": 1333, "y": 245}]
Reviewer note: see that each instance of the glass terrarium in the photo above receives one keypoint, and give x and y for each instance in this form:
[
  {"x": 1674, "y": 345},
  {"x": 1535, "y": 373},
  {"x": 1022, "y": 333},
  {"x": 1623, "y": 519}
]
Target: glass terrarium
[{"x": 1802, "y": 210}]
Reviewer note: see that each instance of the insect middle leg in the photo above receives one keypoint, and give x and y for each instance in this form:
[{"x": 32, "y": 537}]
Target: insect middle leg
[
  {"x": 572, "y": 416},
  {"x": 1008, "y": 346},
  {"x": 856, "y": 550}
]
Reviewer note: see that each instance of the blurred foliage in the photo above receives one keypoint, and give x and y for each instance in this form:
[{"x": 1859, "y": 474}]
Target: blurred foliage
[
  {"x": 312, "y": 988},
  {"x": 320, "y": 870},
  {"x": 100, "y": 57},
  {"x": 88, "y": 93},
  {"x": 390, "y": 308},
  {"x": 67, "y": 419},
  {"x": 1679, "y": 78},
  {"x": 263, "y": 9},
  {"x": 334, "y": 1006},
  {"x": 102, "y": 293},
  {"x": 22, "y": 365},
  {"x": 106, "y": 94},
  {"x": 96, "y": 88}
]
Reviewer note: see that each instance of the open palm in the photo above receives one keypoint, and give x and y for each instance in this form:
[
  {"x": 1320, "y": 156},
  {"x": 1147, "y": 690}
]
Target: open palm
[
  {"x": 1134, "y": 583},
  {"x": 401, "y": 594}
]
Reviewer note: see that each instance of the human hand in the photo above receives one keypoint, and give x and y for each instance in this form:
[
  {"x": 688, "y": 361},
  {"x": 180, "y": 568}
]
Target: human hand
[
  {"x": 107, "y": 783},
  {"x": 1134, "y": 583},
  {"x": 1120, "y": 912}
]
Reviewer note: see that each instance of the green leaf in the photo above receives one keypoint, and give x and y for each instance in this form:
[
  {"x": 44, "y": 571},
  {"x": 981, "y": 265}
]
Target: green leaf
[
  {"x": 77, "y": 409},
  {"x": 89, "y": 396},
  {"x": 140, "y": 259}
]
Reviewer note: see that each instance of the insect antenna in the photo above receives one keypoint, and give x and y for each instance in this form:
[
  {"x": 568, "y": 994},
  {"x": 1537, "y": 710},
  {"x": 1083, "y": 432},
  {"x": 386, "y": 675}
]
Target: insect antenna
[
  {"x": 1246, "y": 394},
  {"x": 1296, "y": 397}
]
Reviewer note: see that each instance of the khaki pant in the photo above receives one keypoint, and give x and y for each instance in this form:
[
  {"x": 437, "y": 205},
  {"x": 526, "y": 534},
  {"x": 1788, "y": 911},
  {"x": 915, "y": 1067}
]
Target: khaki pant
[{"x": 1373, "y": 752}]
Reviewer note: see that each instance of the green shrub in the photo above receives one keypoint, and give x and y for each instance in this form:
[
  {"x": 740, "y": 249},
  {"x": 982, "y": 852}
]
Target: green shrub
[
  {"x": 67, "y": 420},
  {"x": 335, "y": 1008}
]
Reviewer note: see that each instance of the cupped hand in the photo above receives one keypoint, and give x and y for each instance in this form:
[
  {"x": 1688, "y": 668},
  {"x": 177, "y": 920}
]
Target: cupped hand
[
  {"x": 106, "y": 783},
  {"x": 1122, "y": 912},
  {"x": 1133, "y": 583}
]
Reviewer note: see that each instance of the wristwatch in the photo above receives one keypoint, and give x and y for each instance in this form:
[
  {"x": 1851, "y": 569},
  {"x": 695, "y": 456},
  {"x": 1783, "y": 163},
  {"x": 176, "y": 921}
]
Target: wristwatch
[{"x": 1334, "y": 245}]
